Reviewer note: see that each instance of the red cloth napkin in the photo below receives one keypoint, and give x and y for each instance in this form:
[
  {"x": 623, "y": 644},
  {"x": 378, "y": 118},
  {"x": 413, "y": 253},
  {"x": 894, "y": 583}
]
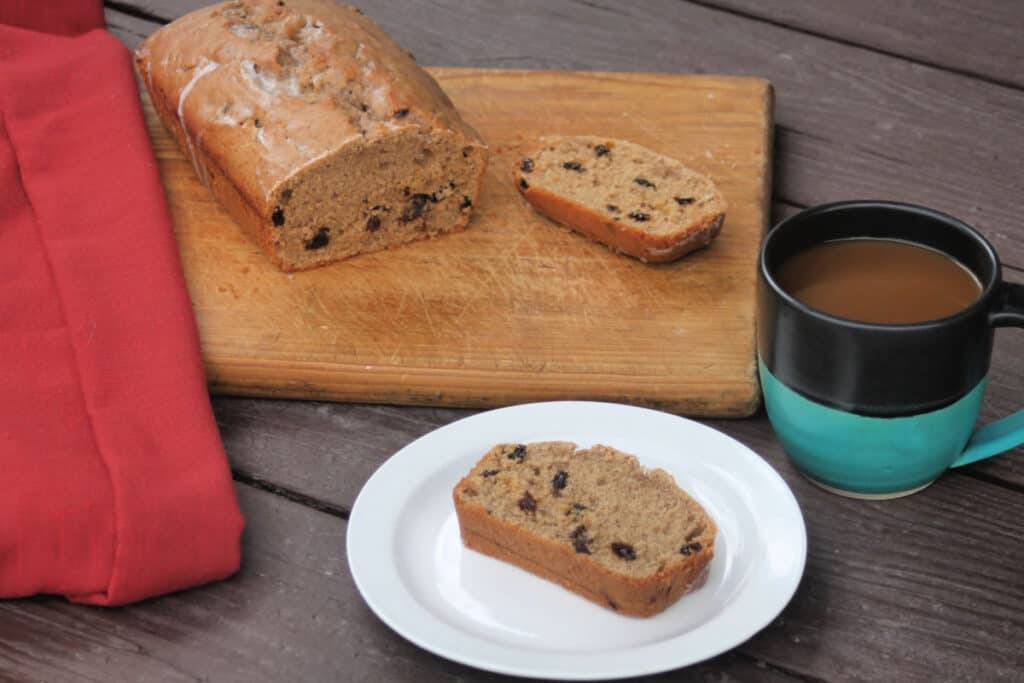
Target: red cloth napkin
[{"x": 114, "y": 485}]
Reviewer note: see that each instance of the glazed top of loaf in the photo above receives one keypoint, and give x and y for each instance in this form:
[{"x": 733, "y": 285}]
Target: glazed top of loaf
[{"x": 266, "y": 87}]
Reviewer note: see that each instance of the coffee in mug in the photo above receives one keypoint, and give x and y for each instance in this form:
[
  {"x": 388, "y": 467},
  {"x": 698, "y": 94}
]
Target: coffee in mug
[
  {"x": 875, "y": 327},
  {"x": 879, "y": 281}
]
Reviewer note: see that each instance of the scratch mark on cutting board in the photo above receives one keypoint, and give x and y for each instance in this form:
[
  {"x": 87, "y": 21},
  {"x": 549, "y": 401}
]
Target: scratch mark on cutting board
[
  {"x": 463, "y": 307},
  {"x": 318, "y": 302},
  {"x": 400, "y": 306},
  {"x": 425, "y": 308}
]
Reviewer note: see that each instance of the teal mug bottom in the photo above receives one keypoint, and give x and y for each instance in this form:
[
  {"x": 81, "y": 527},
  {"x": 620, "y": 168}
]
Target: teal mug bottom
[{"x": 869, "y": 457}]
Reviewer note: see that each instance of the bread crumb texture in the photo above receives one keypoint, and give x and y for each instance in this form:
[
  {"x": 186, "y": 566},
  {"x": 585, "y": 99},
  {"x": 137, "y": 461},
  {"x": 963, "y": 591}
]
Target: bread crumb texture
[
  {"x": 626, "y": 196},
  {"x": 592, "y": 519}
]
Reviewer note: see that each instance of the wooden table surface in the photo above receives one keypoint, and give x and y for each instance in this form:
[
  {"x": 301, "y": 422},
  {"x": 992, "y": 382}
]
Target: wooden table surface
[{"x": 922, "y": 102}]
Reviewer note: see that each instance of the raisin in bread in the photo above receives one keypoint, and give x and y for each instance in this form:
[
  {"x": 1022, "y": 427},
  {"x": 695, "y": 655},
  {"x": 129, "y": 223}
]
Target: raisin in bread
[
  {"x": 625, "y": 196},
  {"x": 317, "y": 132},
  {"x": 592, "y": 520}
]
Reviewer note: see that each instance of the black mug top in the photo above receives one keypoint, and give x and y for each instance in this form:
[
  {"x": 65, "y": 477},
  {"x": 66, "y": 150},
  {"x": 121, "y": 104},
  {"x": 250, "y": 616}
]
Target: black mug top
[{"x": 874, "y": 368}]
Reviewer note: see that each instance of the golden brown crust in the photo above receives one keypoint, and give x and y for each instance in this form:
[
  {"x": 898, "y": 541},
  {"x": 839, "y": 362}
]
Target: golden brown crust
[
  {"x": 320, "y": 75},
  {"x": 558, "y": 562},
  {"x": 235, "y": 203},
  {"x": 273, "y": 102}
]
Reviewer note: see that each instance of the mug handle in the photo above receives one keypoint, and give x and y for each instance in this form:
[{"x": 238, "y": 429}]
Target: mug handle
[{"x": 1001, "y": 435}]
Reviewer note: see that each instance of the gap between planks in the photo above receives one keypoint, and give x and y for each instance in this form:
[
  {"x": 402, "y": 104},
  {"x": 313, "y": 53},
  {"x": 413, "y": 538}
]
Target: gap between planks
[
  {"x": 777, "y": 668},
  {"x": 141, "y": 13},
  {"x": 710, "y": 4},
  {"x": 990, "y": 479},
  {"x": 328, "y": 508},
  {"x": 133, "y": 11}
]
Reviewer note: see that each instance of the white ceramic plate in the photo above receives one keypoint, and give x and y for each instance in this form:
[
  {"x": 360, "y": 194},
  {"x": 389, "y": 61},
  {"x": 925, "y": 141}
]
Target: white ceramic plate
[{"x": 408, "y": 561}]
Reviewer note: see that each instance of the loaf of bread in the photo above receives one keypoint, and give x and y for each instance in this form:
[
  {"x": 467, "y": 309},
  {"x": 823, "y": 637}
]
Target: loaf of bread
[
  {"x": 318, "y": 134},
  {"x": 593, "y": 520},
  {"x": 625, "y": 196}
]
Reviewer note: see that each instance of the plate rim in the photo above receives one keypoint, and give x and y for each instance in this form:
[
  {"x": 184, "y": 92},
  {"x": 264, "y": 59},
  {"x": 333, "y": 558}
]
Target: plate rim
[{"x": 407, "y": 627}]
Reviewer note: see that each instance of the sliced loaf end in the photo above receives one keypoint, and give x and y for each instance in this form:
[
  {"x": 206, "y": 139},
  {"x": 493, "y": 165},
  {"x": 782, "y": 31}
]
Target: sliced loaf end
[{"x": 376, "y": 194}]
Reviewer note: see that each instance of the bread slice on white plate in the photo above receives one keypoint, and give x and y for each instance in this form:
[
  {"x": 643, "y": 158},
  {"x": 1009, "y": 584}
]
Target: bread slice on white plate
[{"x": 591, "y": 519}]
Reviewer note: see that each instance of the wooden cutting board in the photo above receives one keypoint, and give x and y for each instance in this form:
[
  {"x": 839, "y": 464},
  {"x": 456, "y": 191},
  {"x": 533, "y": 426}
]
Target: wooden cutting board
[{"x": 514, "y": 309}]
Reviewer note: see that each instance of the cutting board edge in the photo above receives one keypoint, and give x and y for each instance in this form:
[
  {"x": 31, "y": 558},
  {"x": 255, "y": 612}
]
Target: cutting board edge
[
  {"x": 400, "y": 385},
  {"x": 755, "y": 81}
]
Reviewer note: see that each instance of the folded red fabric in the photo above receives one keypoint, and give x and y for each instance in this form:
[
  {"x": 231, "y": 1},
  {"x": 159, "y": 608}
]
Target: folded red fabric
[{"x": 114, "y": 485}]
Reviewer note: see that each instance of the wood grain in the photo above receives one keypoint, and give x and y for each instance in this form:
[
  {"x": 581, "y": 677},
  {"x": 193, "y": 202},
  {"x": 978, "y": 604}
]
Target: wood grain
[
  {"x": 515, "y": 308},
  {"x": 917, "y": 589},
  {"x": 980, "y": 38},
  {"x": 130, "y": 30},
  {"x": 929, "y": 587},
  {"x": 323, "y": 452}
]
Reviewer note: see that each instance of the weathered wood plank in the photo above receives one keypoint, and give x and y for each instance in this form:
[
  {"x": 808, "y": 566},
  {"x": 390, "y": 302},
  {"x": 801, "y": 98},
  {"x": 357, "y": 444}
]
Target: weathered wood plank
[
  {"x": 291, "y": 614},
  {"x": 922, "y": 589},
  {"x": 128, "y": 29},
  {"x": 886, "y": 581},
  {"x": 979, "y": 38},
  {"x": 323, "y": 451},
  {"x": 852, "y": 122},
  {"x": 157, "y": 11}
]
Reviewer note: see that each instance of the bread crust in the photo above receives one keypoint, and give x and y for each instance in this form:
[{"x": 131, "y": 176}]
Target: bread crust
[
  {"x": 579, "y": 573},
  {"x": 253, "y": 122},
  {"x": 248, "y": 217},
  {"x": 620, "y": 236}
]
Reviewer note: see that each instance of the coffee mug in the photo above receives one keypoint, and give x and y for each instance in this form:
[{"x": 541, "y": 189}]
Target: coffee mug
[{"x": 872, "y": 410}]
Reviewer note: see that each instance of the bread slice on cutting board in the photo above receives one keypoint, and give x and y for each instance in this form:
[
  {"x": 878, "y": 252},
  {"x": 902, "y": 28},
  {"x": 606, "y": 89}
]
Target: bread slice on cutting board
[{"x": 625, "y": 196}]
